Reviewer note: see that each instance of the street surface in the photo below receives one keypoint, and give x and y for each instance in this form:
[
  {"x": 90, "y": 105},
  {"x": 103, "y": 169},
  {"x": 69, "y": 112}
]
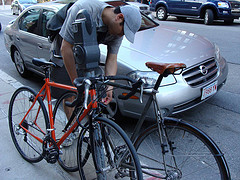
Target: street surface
[{"x": 219, "y": 117}]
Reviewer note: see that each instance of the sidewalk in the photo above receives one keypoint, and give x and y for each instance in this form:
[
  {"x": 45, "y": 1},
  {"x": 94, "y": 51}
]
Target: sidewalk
[
  {"x": 12, "y": 165},
  {"x": 5, "y": 7}
]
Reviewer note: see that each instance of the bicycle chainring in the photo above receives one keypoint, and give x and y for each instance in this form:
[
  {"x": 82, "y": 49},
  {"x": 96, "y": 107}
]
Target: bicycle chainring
[{"x": 50, "y": 150}]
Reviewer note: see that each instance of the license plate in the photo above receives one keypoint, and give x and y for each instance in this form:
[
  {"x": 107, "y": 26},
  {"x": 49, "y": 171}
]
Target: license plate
[{"x": 209, "y": 90}]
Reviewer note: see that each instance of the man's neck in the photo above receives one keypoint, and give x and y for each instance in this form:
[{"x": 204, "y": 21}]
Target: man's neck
[{"x": 107, "y": 14}]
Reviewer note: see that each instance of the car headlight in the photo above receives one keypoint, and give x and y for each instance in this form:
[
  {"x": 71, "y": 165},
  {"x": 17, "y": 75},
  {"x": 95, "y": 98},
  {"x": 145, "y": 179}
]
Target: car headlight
[
  {"x": 223, "y": 5},
  {"x": 151, "y": 77},
  {"x": 217, "y": 53}
]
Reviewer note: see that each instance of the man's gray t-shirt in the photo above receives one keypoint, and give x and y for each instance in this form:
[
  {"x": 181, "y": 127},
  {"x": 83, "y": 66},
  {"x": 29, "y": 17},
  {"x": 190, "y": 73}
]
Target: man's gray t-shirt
[{"x": 95, "y": 9}]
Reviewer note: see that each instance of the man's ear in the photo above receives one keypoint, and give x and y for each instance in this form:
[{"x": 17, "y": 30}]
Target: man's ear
[{"x": 120, "y": 17}]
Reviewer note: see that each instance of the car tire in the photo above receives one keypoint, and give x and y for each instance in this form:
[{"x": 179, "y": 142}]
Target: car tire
[
  {"x": 19, "y": 63},
  {"x": 13, "y": 13},
  {"x": 208, "y": 17},
  {"x": 161, "y": 14},
  {"x": 0, "y": 27},
  {"x": 228, "y": 21},
  {"x": 19, "y": 11}
]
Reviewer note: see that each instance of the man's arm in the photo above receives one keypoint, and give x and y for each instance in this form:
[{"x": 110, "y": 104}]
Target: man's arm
[
  {"x": 111, "y": 65},
  {"x": 68, "y": 58},
  {"x": 110, "y": 70}
]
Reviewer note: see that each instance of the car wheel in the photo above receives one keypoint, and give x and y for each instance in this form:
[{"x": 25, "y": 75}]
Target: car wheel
[
  {"x": 112, "y": 108},
  {"x": 13, "y": 11},
  {"x": 228, "y": 21},
  {"x": 0, "y": 26},
  {"x": 19, "y": 63},
  {"x": 19, "y": 11},
  {"x": 208, "y": 18},
  {"x": 161, "y": 13}
]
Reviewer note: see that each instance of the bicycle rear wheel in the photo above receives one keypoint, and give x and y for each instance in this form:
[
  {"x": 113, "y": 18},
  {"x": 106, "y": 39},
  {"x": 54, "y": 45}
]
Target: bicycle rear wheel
[
  {"x": 36, "y": 122},
  {"x": 61, "y": 114},
  {"x": 195, "y": 155},
  {"x": 114, "y": 154}
]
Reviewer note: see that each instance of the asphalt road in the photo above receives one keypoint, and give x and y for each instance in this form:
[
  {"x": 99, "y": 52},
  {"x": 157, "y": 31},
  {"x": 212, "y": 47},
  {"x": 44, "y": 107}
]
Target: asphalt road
[{"x": 219, "y": 117}]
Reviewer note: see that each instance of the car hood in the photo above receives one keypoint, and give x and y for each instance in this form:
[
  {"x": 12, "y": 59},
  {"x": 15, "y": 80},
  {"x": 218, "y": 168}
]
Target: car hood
[{"x": 165, "y": 44}]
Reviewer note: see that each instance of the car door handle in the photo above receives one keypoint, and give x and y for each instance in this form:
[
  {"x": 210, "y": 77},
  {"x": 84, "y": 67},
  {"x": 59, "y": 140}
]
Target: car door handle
[
  {"x": 17, "y": 38},
  {"x": 40, "y": 46}
]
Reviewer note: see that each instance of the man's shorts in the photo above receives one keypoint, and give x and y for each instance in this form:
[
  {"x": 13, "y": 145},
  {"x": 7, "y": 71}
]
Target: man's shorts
[{"x": 60, "y": 75}]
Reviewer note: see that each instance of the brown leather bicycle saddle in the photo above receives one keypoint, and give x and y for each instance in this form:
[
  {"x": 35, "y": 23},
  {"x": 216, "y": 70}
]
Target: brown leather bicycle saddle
[{"x": 168, "y": 68}]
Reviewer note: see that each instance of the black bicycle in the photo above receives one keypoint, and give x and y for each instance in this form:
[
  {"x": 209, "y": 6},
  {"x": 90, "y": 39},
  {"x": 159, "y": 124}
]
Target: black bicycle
[{"x": 170, "y": 149}]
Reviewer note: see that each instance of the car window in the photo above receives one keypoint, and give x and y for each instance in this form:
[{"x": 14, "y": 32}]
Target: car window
[
  {"x": 147, "y": 23},
  {"x": 29, "y": 21},
  {"x": 46, "y": 15}
]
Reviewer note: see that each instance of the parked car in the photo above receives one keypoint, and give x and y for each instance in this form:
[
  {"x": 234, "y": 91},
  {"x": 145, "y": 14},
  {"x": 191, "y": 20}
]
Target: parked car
[
  {"x": 209, "y": 10},
  {"x": 143, "y": 7},
  {"x": 206, "y": 70},
  {"x": 18, "y": 6}
]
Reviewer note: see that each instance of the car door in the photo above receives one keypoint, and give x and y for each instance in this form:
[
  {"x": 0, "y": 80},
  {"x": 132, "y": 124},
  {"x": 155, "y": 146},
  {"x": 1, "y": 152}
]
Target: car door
[
  {"x": 43, "y": 46},
  {"x": 176, "y": 6},
  {"x": 28, "y": 35},
  {"x": 193, "y": 7}
]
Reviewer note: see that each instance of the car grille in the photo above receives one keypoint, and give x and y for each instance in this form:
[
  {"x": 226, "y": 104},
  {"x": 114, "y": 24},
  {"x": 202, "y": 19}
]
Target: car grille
[
  {"x": 201, "y": 74},
  {"x": 235, "y": 6}
]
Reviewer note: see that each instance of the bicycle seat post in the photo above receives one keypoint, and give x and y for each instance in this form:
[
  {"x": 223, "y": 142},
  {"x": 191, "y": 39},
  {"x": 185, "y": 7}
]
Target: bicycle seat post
[
  {"x": 159, "y": 80},
  {"x": 47, "y": 71}
]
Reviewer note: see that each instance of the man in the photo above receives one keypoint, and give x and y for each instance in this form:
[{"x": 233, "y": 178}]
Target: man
[{"x": 112, "y": 23}]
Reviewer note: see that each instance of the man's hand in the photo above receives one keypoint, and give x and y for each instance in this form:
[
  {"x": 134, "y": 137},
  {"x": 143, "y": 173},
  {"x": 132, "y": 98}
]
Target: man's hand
[
  {"x": 110, "y": 70},
  {"x": 108, "y": 98}
]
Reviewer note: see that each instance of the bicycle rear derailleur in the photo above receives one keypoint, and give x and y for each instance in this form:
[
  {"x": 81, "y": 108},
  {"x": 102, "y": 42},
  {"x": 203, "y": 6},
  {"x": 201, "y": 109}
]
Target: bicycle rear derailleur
[{"x": 50, "y": 150}]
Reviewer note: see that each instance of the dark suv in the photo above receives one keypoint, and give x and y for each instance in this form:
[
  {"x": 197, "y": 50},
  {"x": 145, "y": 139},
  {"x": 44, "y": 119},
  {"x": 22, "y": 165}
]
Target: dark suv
[{"x": 208, "y": 10}]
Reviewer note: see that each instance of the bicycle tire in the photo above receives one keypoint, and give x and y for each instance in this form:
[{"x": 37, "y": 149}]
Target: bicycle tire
[
  {"x": 186, "y": 138},
  {"x": 28, "y": 146},
  {"x": 98, "y": 150},
  {"x": 67, "y": 157},
  {"x": 115, "y": 137}
]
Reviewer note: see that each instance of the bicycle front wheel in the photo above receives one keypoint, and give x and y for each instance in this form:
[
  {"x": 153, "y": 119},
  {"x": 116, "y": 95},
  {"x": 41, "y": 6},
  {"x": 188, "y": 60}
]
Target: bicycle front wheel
[
  {"x": 194, "y": 155},
  {"x": 61, "y": 115},
  {"x": 36, "y": 123},
  {"x": 110, "y": 155}
]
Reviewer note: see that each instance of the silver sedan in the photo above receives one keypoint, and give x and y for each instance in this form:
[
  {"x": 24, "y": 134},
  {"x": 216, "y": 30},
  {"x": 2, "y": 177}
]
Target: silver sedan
[{"x": 205, "y": 74}]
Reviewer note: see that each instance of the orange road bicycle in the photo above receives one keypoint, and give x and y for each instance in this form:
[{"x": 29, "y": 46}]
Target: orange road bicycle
[{"x": 103, "y": 150}]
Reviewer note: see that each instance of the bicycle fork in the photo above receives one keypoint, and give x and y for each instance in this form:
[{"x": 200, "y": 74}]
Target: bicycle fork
[{"x": 165, "y": 147}]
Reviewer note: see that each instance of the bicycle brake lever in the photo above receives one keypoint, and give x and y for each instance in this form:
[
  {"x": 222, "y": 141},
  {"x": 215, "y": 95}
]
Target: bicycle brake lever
[
  {"x": 141, "y": 91},
  {"x": 87, "y": 84}
]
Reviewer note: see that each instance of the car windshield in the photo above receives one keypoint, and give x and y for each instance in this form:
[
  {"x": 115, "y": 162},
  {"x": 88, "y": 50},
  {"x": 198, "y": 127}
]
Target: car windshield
[
  {"x": 146, "y": 21},
  {"x": 27, "y": 1}
]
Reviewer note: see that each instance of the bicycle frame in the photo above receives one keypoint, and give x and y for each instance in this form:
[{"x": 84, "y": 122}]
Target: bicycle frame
[{"x": 47, "y": 93}]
